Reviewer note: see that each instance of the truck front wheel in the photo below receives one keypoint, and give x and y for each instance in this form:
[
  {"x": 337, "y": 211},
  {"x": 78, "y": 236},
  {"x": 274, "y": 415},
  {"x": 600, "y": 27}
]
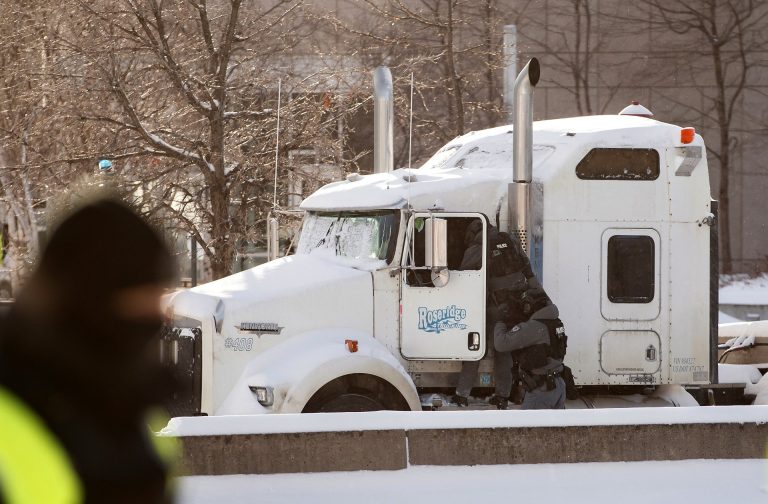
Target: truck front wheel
[
  {"x": 356, "y": 392},
  {"x": 351, "y": 402}
]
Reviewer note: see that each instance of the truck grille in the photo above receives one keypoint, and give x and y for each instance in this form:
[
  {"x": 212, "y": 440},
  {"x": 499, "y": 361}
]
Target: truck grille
[{"x": 181, "y": 352}]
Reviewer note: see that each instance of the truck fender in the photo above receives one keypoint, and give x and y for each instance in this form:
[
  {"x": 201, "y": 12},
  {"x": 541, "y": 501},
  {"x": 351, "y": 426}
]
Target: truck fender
[{"x": 297, "y": 368}]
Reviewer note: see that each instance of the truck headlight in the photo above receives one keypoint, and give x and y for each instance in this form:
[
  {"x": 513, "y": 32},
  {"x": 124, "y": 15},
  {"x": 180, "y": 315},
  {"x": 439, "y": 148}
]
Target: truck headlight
[{"x": 265, "y": 395}]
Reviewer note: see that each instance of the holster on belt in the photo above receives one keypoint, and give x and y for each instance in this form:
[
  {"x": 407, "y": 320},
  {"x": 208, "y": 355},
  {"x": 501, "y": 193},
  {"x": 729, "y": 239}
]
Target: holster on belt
[
  {"x": 529, "y": 380},
  {"x": 532, "y": 381}
]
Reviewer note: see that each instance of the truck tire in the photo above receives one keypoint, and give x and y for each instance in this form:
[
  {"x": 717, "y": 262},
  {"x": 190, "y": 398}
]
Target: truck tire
[
  {"x": 350, "y": 402},
  {"x": 356, "y": 392}
]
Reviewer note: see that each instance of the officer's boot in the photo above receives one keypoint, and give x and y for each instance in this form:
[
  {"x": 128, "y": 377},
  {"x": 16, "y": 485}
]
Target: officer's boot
[
  {"x": 498, "y": 401},
  {"x": 459, "y": 400}
]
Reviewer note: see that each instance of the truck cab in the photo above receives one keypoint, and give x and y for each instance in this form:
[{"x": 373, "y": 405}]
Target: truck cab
[{"x": 374, "y": 307}]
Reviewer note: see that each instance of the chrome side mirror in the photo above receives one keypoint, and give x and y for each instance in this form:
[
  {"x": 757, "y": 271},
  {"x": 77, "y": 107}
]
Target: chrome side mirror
[
  {"x": 436, "y": 250},
  {"x": 436, "y": 243}
]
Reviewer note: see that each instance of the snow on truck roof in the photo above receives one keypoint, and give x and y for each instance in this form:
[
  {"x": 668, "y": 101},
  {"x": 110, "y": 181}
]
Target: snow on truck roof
[{"x": 484, "y": 158}]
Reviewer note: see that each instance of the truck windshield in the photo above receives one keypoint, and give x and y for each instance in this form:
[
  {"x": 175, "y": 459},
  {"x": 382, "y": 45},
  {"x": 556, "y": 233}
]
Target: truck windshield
[{"x": 369, "y": 235}]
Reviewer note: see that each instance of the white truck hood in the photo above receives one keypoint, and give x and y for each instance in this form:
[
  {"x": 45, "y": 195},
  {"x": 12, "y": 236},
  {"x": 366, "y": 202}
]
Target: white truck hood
[
  {"x": 277, "y": 280},
  {"x": 245, "y": 314}
]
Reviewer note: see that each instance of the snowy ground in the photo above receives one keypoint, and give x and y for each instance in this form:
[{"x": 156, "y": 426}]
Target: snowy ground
[
  {"x": 744, "y": 289},
  {"x": 700, "y": 481},
  {"x": 413, "y": 420}
]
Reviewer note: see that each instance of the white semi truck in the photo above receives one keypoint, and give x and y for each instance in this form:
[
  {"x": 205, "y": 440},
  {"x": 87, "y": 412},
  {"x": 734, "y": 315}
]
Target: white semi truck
[{"x": 614, "y": 211}]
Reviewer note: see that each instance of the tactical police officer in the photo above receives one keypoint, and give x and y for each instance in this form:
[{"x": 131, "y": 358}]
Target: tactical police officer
[
  {"x": 538, "y": 347},
  {"x": 509, "y": 274}
]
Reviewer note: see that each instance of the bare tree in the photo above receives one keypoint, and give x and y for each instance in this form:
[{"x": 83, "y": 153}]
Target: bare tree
[
  {"x": 186, "y": 93},
  {"x": 722, "y": 41},
  {"x": 25, "y": 141},
  {"x": 569, "y": 36},
  {"x": 453, "y": 50}
]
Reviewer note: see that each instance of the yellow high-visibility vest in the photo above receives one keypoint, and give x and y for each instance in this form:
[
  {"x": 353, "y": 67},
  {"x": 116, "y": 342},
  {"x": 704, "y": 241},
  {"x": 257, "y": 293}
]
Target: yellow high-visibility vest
[{"x": 34, "y": 467}]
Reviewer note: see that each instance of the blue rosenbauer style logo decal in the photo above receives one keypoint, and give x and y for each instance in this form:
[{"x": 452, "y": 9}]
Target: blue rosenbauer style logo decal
[{"x": 442, "y": 319}]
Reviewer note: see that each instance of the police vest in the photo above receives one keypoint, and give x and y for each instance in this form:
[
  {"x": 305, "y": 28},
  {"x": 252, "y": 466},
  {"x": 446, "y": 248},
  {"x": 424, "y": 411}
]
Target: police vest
[
  {"x": 558, "y": 340},
  {"x": 536, "y": 356},
  {"x": 505, "y": 263},
  {"x": 34, "y": 467},
  {"x": 507, "y": 257}
]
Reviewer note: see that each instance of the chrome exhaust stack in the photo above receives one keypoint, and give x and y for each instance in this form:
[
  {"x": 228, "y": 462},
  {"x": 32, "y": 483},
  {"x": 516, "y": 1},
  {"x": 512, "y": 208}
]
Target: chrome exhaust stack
[
  {"x": 383, "y": 156},
  {"x": 273, "y": 238},
  {"x": 519, "y": 195}
]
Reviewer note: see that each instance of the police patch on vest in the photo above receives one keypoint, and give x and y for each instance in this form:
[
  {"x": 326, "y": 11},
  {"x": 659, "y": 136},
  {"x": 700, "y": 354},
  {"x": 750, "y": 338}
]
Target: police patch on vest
[{"x": 558, "y": 340}]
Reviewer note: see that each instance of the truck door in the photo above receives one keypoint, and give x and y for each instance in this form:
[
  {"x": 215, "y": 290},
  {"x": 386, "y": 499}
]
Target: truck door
[
  {"x": 442, "y": 310},
  {"x": 631, "y": 303}
]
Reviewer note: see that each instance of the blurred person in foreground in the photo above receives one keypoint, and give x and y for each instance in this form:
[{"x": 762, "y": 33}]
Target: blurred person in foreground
[{"x": 80, "y": 368}]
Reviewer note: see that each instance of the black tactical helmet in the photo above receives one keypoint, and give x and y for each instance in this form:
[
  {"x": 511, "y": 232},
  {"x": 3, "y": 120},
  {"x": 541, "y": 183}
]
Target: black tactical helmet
[{"x": 533, "y": 300}]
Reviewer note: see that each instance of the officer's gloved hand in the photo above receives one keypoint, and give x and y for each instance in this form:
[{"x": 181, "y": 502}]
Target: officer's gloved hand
[
  {"x": 491, "y": 314},
  {"x": 517, "y": 282},
  {"x": 504, "y": 312},
  {"x": 495, "y": 313}
]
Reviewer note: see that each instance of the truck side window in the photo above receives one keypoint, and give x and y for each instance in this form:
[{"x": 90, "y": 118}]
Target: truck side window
[
  {"x": 458, "y": 250},
  {"x": 631, "y": 269},
  {"x": 619, "y": 164},
  {"x": 465, "y": 244}
]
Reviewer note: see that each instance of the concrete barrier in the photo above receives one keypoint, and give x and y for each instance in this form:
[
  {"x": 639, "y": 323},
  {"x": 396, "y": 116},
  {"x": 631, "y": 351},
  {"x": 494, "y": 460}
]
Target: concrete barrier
[
  {"x": 293, "y": 452},
  {"x": 395, "y": 440},
  {"x": 534, "y": 445}
]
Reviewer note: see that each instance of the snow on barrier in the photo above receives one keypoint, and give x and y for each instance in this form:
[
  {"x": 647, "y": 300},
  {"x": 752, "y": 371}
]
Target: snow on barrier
[{"x": 389, "y": 440}]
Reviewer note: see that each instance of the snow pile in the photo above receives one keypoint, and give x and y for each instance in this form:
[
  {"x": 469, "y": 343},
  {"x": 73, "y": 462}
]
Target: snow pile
[
  {"x": 761, "y": 391},
  {"x": 744, "y": 290},
  {"x": 756, "y": 383},
  {"x": 675, "y": 395},
  {"x": 741, "y": 341},
  {"x": 743, "y": 334},
  {"x": 738, "y": 373},
  {"x": 412, "y": 420}
]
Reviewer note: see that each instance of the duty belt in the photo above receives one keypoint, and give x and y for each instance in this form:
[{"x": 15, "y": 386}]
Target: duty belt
[{"x": 533, "y": 381}]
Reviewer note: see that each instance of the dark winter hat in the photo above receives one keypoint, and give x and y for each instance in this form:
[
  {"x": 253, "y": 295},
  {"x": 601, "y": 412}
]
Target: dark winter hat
[{"x": 104, "y": 247}]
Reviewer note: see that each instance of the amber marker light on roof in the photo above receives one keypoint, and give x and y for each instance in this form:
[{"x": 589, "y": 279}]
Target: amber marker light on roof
[{"x": 687, "y": 135}]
